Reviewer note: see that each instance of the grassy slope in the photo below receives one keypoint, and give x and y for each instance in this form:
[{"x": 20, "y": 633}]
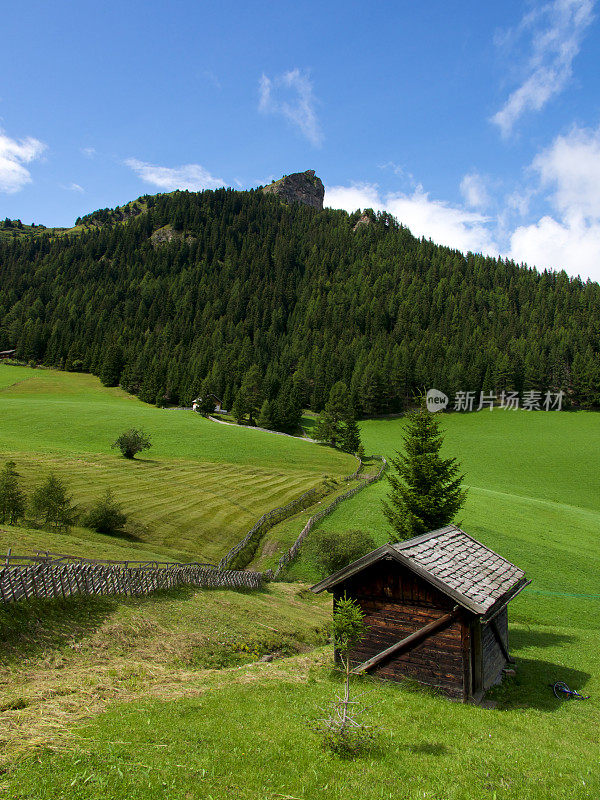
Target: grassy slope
[
  {"x": 194, "y": 494},
  {"x": 245, "y": 732}
]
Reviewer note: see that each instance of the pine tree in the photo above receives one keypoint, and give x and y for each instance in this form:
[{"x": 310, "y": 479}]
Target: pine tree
[
  {"x": 12, "y": 499},
  {"x": 251, "y": 393},
  {"x": 350, "y": 441},
  {"x": 238, "y": 410},
  {"x": 330, "y": 425},
  {"x": 265, "y": 419},
  {"x": 112, "y": 366},
  {"x": 426, "y": 490},
  {"x": 51, "y": 504}
]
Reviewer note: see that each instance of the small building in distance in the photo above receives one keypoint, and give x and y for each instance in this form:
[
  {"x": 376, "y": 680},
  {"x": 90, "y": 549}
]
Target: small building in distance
[
  {"x": 7, "y": 354},
  {"x": 435, "y": 609},
  {"x": 197, "y": 403}
]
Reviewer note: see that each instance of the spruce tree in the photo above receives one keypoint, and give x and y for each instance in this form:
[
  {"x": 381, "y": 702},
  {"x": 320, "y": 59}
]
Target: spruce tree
[
  {"x": 265, "y": 419},
  {"x": 112, "y": 366},
  {"x": 350, "y": 441},
  {"x": 251, "y": 392},
  {"x": 12, "y": 499},
  {"x": 238, "y": 410},
  {"x": 426, "y": 490},
  {"x": 330, "y": 425},
  {"x": 51, "y": 504}
]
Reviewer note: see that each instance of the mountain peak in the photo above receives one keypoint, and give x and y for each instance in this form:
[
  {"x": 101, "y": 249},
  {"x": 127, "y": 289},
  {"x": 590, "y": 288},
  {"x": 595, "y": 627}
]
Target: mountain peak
[{"x": 299, "y": 187}]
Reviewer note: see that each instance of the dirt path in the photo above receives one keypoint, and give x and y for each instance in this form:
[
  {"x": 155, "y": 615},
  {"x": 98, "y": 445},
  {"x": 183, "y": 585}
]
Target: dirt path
[{"x": 266, "y": 430}]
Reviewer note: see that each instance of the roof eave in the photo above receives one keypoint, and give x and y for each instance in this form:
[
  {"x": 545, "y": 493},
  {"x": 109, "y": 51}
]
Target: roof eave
[
  {"x": 506, "y": 598},
  {"x": 352, "y": 569}
]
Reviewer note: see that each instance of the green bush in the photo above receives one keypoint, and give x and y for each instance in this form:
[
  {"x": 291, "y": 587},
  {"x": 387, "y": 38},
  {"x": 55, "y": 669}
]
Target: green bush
[
  {"x": 332, "y": 550},
  {"x": 131, "y": 442},
  {"x": 105, "y": 516}
]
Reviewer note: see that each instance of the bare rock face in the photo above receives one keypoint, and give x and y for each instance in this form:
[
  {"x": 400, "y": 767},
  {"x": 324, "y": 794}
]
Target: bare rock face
[
  {"x": 167, "y": 234},
  {"x": 300, "y": 187},
  {"x": 363, "y": 221}
]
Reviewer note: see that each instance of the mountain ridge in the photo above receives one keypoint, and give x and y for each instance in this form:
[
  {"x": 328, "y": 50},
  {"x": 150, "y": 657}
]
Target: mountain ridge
[{"x": 304, "y": 294}]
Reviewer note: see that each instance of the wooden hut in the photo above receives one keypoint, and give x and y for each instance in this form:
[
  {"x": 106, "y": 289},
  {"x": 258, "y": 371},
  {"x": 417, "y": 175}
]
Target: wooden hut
[{"x": 436, "y": 611}]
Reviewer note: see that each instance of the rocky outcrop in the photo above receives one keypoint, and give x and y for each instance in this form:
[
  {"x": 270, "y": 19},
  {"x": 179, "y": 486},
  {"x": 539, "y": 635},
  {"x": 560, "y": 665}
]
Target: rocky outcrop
[
  {"x": 168, "y": 234},
  {"x": 300, "y": 187},
  {"x": 363, "y": 221}
]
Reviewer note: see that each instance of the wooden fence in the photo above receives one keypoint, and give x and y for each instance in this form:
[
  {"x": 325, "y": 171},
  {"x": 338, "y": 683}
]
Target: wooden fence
[
  {"x": 274, "y": 517},
  {"x": 47, "y": 575},
  {"x": 314, "y": 520}
]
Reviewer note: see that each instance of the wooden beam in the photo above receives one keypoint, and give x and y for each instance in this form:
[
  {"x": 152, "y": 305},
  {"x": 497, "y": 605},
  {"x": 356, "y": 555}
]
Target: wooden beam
[
  {"x": 407, "y": 642},
  {"x": 495, "y": 630}
]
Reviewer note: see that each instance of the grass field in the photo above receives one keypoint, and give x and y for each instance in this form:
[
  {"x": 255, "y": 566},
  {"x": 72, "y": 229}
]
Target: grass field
[
  {"x": 193, "y": 495},
  {"x": 189, "y": 713}
]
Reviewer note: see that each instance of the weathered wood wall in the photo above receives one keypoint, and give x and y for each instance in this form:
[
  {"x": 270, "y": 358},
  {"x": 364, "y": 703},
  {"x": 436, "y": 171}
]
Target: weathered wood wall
[
  {"x": 493, "y": 658},
  {"x": 397, "y": 603}
]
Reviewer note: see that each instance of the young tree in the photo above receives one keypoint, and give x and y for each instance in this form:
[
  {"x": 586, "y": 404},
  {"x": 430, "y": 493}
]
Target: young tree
[
  {"x": 251, "y": 391},
  {"x": 207, "y": 404},
  {"x": 105, "y": 516},
  {"x": 426, "y": 490},
  {"x": 51, "y": 505},
  {"x": 238, "y": 409},
  {"x": 343, "y": 732},
  {"x": 132, "y": 442},
  {"x": 265, "y": 419},
  {"x": 12, "y": 499}
]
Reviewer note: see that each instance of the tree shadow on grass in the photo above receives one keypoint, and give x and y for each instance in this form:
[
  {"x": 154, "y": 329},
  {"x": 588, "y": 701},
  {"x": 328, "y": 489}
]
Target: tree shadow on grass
[
  {"x": 33, "y": 627},
  {"x": 531, "y": 687},
  {"x": 537, "y": 637},
  {"x": 29, "y": 628}
]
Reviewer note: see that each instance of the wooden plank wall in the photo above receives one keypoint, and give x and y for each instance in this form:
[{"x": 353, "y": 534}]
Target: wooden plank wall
[
  {"x": 397, "y": 603},
  {"x": 493, "y": 659}
]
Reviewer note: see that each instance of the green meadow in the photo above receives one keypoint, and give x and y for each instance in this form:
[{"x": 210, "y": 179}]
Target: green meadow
[
  {"x": 192, "y": 496},
  {"x": 166, "y": 696}
]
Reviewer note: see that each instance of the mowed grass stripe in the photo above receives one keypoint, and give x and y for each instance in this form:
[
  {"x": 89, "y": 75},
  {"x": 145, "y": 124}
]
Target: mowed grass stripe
[{"x": 201, "y": 513}]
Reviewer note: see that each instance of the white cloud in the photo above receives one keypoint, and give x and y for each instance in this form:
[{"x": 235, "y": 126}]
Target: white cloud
[
  {"x": 90, "y": 152},
  {"x": 563, "y": 180},
  {"x": 474, "y": 190},
  {"x": 570, "y": 169},
  {"x": 572, "y": 165},
  {"x": 571, "y": 246},
  {"x": 188, "y": 176},
  {"x": 291, "y": 95},
  {"x": 73, "y": 187},
  {"x": 453, "y": 226},
  {"x": 556, "y": 30},
  {"x": 353, "y": 197},
  {"x": 13, "y": 155}
]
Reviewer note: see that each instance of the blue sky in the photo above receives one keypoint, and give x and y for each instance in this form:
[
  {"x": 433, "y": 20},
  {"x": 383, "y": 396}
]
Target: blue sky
[{"x": 476, "y": 124}]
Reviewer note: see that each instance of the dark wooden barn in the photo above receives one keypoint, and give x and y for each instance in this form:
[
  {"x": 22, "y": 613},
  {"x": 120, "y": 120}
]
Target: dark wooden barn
[{"x": 436, "y": 611}]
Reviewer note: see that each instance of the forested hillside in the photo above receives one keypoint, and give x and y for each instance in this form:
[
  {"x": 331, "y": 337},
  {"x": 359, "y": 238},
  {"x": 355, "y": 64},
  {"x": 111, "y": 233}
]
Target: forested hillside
[{"x": 189, "y": 295}]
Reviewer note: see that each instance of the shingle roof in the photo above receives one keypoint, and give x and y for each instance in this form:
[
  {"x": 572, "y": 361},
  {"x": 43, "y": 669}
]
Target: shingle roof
[
  {"x": 463, "y": 564},
  {"x": 454, "y": 562}
]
